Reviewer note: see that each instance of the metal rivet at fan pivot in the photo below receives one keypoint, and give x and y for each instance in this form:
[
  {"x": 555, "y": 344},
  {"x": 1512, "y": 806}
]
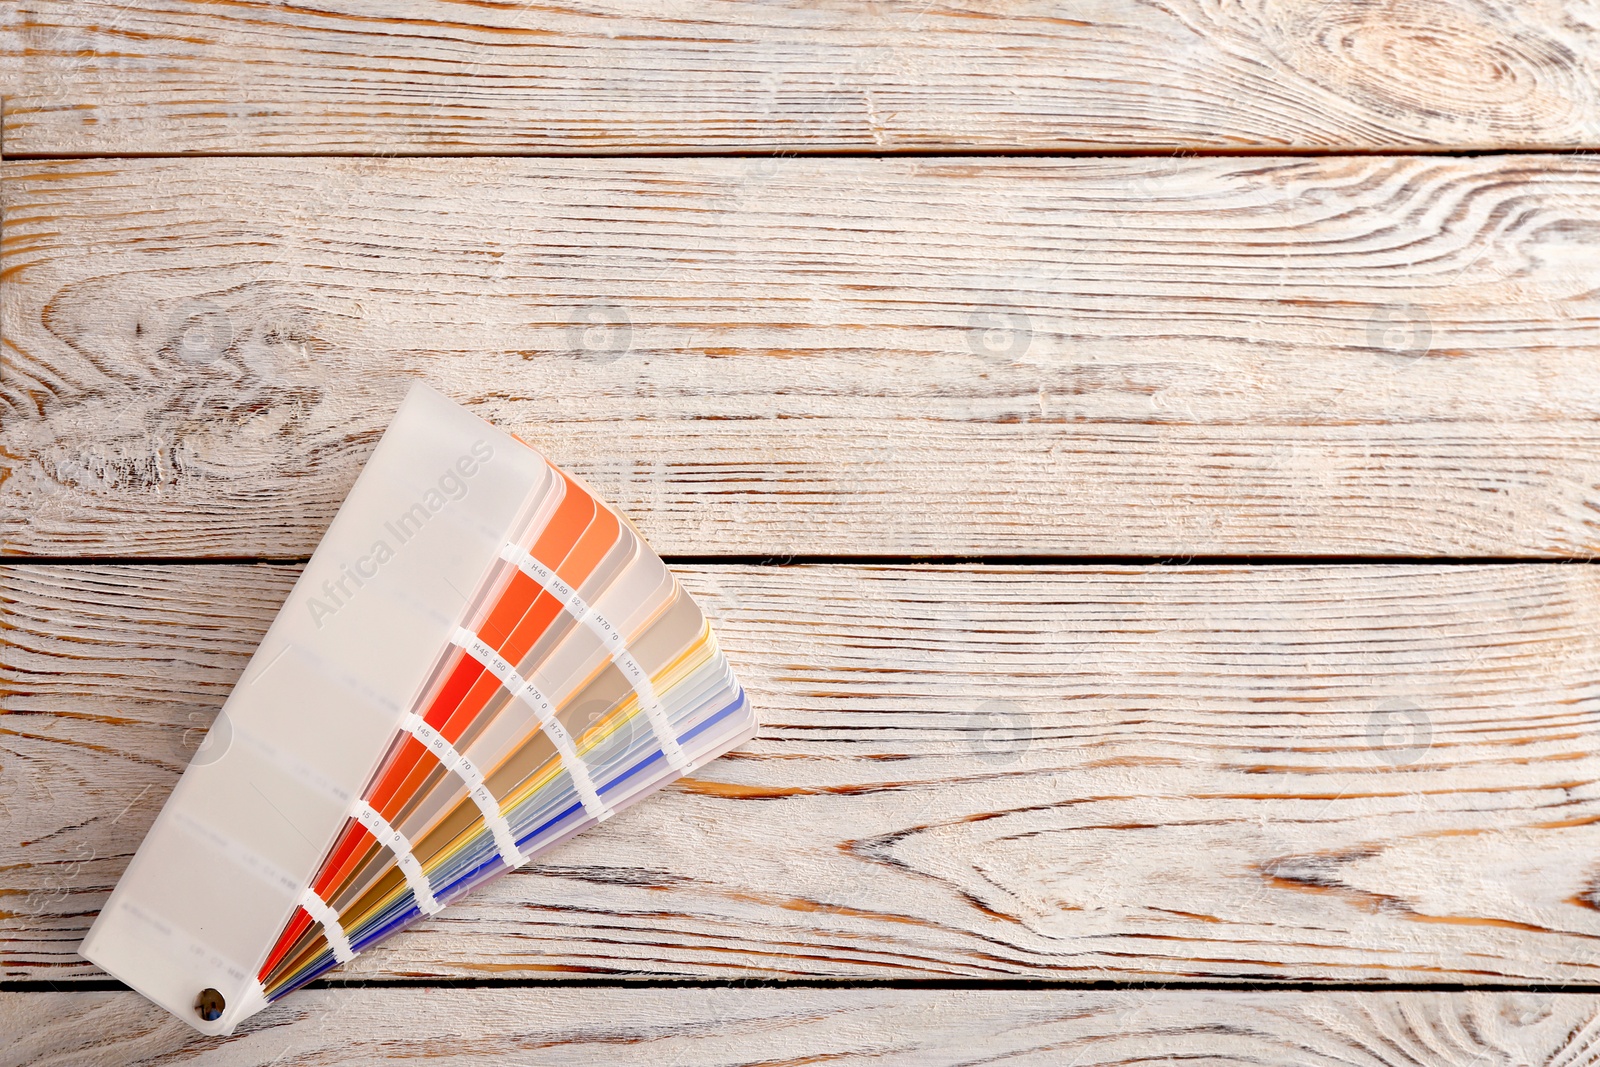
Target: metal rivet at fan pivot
[{"x": 209, "y": 1005}]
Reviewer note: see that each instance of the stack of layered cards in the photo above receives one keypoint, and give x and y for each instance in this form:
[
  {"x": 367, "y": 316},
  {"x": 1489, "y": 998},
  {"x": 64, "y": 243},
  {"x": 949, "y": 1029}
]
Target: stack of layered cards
[{"x": 480, "y": 660}]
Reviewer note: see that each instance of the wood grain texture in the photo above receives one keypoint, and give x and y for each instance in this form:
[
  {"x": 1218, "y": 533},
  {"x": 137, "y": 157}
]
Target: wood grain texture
[
  {"x": 1358, "y": 356},
  {"x": 770, "y": 1027},
  {"x": 1357, "y": 773},
  {"x": 430, "y": 76}
]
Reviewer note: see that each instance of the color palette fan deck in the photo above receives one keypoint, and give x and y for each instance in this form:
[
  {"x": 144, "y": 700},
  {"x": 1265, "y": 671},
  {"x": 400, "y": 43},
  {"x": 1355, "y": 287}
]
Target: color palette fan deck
[{"x": 480, "y": 660}]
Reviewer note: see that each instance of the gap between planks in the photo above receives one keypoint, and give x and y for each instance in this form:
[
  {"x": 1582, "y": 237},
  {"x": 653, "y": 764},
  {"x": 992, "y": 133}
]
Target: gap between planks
[
  {"x": 1153, "y": 152},
  {"x": 111, "y": 985},
  {"x": 883, "y": 561}
]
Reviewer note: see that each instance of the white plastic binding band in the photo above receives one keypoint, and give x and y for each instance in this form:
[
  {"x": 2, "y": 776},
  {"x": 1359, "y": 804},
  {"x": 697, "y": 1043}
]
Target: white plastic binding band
[
  {"x": 396, "y": 842},
  {"x": 318, "y": 909},
  {"x": 611, "y": 641},
  {"x": 467, "y": 771},
  {"x": 544, "y": 711}
]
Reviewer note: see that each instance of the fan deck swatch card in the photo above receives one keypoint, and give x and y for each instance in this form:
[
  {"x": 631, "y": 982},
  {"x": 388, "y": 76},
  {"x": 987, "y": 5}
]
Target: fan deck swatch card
[{"x": 480, "y": 660}]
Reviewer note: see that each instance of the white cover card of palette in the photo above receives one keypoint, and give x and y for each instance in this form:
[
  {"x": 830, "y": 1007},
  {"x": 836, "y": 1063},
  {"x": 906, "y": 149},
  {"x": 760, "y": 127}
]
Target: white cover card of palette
[{"x": 480, "y": 660}]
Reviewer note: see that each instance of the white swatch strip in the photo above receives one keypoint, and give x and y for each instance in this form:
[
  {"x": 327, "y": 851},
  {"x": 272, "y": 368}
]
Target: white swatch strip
[
  {"x": 467, "y": 771},
  {"x": 544, "y": 712},
  {"x": 611, "y": 640},
  {"x": 400, "y": 845},
  {"x": 319, "y": 910}
]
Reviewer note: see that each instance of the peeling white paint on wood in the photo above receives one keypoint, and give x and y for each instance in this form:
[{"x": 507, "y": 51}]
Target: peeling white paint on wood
[
  {"x": 1239, "y": 774},
  {"x": 1353, "y": 356},
  {"x": 430, "y": 76},
  {"x": 1355, "y": 773},
  {"x": 883, "y": 1027}
]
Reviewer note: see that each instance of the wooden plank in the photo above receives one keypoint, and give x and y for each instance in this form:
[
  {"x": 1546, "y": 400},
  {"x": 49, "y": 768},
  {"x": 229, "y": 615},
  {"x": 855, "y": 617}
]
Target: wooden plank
[
  {"x": 430, "y": 76},
  {"x": 1360, "y": 773},
  {"x": 884, "y": 1027},
  {"x": 1358, "y": 356}
]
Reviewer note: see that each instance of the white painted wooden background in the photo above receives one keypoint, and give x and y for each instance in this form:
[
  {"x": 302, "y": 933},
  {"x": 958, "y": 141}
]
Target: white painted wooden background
[{"x": 1162, "y": 576}]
